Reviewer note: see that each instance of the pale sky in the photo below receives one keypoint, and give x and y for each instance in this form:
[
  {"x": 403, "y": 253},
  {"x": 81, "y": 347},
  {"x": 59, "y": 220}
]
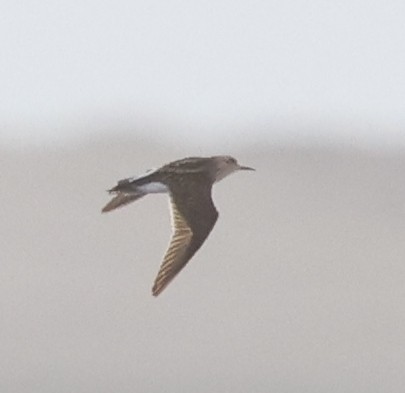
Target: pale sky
[{"x": 203, "y": 68}]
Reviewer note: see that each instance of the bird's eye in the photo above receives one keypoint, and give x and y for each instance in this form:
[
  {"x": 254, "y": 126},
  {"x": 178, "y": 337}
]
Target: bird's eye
[{"x": 231, "y": 160}]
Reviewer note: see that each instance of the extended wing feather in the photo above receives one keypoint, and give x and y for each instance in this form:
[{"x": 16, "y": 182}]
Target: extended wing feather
[{"x": 193, "y": 217}]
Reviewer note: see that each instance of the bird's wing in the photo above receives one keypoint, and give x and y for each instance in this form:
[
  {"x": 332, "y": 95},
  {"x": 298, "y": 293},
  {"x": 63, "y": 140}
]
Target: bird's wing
[
  {"x": 193, "y": 217},
  {"x": 120, "y": 200}
]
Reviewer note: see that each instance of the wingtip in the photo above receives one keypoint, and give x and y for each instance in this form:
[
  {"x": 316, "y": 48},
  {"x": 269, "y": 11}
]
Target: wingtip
[
  {"x": 108, "y": 207},
  {"x": 156, "y": 291}
]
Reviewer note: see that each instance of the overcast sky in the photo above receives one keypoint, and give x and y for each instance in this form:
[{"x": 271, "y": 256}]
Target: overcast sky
[{"x": 203, "y": 67}]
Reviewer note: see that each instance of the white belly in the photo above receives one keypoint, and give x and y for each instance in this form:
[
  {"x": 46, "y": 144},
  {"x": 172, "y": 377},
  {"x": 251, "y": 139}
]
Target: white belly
[{"x": 153, "y": 188}]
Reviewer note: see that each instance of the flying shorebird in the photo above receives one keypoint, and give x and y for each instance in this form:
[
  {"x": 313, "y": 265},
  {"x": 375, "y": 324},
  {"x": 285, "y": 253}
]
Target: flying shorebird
[{"x": 188, "y": 182}]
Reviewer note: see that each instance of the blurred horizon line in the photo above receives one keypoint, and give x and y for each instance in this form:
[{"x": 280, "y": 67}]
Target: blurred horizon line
[{"x": 309, "y": 133}]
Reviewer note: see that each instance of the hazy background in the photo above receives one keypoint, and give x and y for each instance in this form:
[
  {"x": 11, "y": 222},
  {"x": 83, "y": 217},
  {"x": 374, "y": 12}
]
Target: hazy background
[
  {"x": 300, "y": 287},
  {"x": 223, "y": 69}
]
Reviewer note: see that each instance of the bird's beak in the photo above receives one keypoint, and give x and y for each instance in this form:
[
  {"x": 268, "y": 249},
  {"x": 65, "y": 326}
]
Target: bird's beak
[{"x": 246, "y": 168}]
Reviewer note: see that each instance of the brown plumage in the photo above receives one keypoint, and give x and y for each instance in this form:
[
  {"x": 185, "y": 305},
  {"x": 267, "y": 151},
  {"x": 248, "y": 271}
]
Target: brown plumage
[{"x": 189, "y": 183}]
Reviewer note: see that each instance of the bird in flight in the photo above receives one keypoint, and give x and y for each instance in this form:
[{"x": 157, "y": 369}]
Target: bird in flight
[{"x": 188, "y": 182}]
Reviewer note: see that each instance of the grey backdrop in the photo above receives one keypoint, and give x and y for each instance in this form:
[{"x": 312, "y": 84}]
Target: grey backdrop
[{"x": 299, "y": 288}]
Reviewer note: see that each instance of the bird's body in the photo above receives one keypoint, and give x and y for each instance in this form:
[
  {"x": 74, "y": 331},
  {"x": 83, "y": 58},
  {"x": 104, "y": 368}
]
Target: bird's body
[{"x": 188, "y": 182}]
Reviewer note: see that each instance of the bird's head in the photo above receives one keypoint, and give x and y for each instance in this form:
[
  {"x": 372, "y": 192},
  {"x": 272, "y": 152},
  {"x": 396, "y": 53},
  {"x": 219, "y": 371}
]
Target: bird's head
[{"x": 225, "y": 165}]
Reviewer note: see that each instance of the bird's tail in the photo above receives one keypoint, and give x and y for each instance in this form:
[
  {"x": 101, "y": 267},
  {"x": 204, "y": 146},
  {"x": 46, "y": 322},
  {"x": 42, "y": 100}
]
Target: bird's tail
[{"x": 121, "y": 199}]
